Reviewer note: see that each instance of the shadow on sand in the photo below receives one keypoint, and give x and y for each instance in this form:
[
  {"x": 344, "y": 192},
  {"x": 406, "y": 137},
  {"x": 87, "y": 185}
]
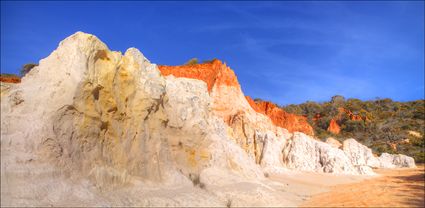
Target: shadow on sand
[{"x": 416, "y": 195}]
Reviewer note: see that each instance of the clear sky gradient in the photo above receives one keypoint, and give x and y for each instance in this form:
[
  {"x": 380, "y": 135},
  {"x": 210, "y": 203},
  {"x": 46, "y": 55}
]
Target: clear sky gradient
[{"x": 286, "y": 52}]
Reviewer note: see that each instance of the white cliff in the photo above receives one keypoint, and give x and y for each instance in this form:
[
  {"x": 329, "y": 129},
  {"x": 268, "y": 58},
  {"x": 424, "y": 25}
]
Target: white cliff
[
  {"x": 359, "y": 154},
  {"x": 112, "y": 119},
  {"x": 396, "y": 161},
  {"x": 89, "y": 120}
]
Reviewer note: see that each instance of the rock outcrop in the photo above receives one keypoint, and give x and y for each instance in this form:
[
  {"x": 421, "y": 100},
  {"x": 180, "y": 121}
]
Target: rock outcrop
[
  {"x": 115, "y": 119},
  {"x": 218, "y": 76},
  {"x": 359, "y": 154},
  {"x": 88, "y": 119},
  {"x": 289, "y": 121},
  {"x": 333, "y": 142},
  {"x": 396, "y": 161},
  {"x": 212, "y": 73},
  {"x": 252, "y": 131},
  {"x": 351, "y": 115},
  {"x": 304, "y": 153},
  {"x": 334, "y": 127}
]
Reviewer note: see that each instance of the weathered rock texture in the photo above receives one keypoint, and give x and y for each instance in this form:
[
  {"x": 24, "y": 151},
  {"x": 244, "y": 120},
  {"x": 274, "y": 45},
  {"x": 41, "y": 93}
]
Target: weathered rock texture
[
  {"x": 291, "y": 122},
  {"x": 333, "y": 142},
  {"x": 88, "y": 119},
  {"x": 115, "y": 120},
  {"x": 212, "y": 73},
  {"x": 359, "y": 154},
  {"x": 351, "y": 115},
  {"x": 304, "y": 153},
  {"x": 396, "y": 161},
  {"x": 334, "y": 127},
  {"x": 252, "y": 131},
  {"x": 218, "y": 76}
]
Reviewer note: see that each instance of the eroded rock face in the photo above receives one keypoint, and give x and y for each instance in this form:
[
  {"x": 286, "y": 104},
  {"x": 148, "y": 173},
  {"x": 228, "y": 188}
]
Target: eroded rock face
[
  {"x": 334, "y": 127},
  {"x": 222, "y": 83},
  {"x": 247, "y": 128},
  {"x": 359, "y": 154},
  {"x": 333, "y": 124},
  {"x": 212, "y": 73},
  {"x": 396, "y": 161},
  {"x": 333, "y": 142},
  {"x": 304, "y": 153},
  {"x": 291, "y": 122},
  {"x": 108, "y": 120},
  {"x": 116, "y": 119}
]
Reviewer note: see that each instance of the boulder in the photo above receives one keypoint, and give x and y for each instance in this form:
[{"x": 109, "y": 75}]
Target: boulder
[
  {"x": 304, "y": 153},
  {"x": 396, "y": 161},
  {"x": 333, "y": 142},
  {"x": 359, "y": 154}
]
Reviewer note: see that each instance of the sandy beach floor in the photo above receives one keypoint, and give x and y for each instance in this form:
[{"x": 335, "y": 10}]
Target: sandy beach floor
[{"x": 393, "y": 188}]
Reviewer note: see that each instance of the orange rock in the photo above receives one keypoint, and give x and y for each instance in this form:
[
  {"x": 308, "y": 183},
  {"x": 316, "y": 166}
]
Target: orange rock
[
  {"x": 10, "y": 79},
  {"x": 216, "y": 73},
  {"x": 350, "y": 114},
  {"x": 333, "y": 142},
  {"x": 317, "y": 117},
  {"x": 212, "y": 73},
  {"x": 281, "y": 118},
  {"x": 334, "y": 127},
  {"x": 393, "y": 146},
  {"x": 333, "y": 124},
  {"x": 253, "y": 104},
  {"x": 356, "y": 117}
]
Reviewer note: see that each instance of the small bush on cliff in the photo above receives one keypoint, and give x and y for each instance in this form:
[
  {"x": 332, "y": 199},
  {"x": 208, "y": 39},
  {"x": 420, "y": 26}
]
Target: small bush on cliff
[
  {"x": 209, "y": 61},
  {"x": 27, "y": 68},
  {"x": 9, "y": 75},
  {"x": 192, "y": 61}
]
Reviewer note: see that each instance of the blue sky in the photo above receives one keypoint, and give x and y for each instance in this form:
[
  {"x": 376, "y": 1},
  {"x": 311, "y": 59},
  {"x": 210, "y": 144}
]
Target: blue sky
[{"x": 286, "y": 52}]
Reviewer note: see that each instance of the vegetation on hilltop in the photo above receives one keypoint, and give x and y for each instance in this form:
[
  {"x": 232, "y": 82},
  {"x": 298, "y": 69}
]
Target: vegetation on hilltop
[
  {"x": 194, "y": 61},
  {"x": 27, "y": 68},
  {"x": 22, "y": 72},
  {"x": 386, "y": 125}
]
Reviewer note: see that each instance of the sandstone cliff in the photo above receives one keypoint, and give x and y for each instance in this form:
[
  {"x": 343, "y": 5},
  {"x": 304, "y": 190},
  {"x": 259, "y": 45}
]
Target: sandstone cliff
[
  {"x": 10, "y": 79},
  {"x": 291, "y": 122},
  {"x": 252, "y": 131},
  {"x": 212, "y": 73},
  {"x": 94, "y": 127},
  {"x": 217, "y": 75}
]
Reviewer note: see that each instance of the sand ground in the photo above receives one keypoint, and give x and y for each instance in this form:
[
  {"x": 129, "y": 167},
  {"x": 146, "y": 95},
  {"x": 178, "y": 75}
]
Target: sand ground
[
  {"x": 36, "y": 185},
  {"x": 393, "y": 188}
]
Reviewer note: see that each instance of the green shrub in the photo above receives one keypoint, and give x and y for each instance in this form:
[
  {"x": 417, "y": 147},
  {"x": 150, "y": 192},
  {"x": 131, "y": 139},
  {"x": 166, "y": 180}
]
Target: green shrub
[
  {"x": 387, "y": 122},
  {"x": 27, "y": 68},
  {"x": 192, "y": 61},
  {"x": 209, "y": 61}
]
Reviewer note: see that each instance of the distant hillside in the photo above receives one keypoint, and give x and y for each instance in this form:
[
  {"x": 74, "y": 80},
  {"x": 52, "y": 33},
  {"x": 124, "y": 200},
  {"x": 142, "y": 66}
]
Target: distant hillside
[
  {"x": 382, "y": 124},
  {"x": 10, "y": 78}
]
